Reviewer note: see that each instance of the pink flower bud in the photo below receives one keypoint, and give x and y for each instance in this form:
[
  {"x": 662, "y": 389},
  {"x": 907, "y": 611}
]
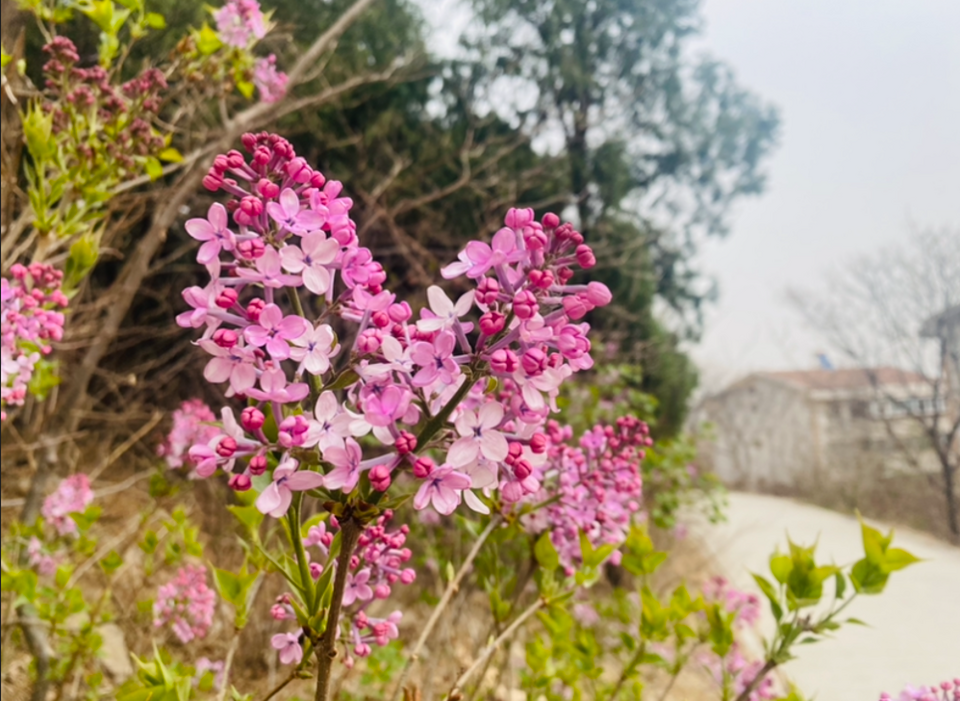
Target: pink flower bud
[
  {"x": 423, "y": 468},
  {"x": 585, "y": 257},
  {"x": 255, "y": 309},
  {"x": 514, "y": 453},
  {"x": 599, "y": 294},
  {"x": 538, "y": 444},
  {"x": 227, "y": 448},
  {"x": 525, "y": 304},
  {"x": 550, "y": 221},
  {"x": 534, "y": 362},
  {"x": 317, "y": 180},
  {"x": 316, "y": 570},
  {"x": 369, "y": 341},
  {"x": 212, "y": 181},
  {"x": 278, "y": 613},
  {"x": 380, "y": 478},
  {"x": 381, "y": 592},
  {"x": 251, "y": 249},
  {"x": 235, "y": 160},
  {"x": 225, "y": 338},
  {"x": 268, "y": 189},
  {"x": 575, "y": 307},
  {"x": 492, "y": 323},
  {"x": 541, "y": 279},
  {"x": 406, "y": 443},
  {"x": 519, "y": 218},
  {"x": 408, "y": 576},
  {"x": 564, "y": 274},
  {"x": 522, "y": 469},
  {"x": 488, "y": 291},
  {"x": 258, "y": 465},
  {"x": 504, "y": 361},
  {"x": 381, "y": 319},
  {"x": 240, "y": 483},
  {"x": 227, "y": 298},
  {"x": 251, "y": 206},
  {"x": 252, "y": 419},
  {"x": 399, "y": 313},
  {"x": 535, "y": 239}
]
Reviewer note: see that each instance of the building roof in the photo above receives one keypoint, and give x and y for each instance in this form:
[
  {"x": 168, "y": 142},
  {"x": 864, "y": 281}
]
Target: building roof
[
  {"x": 846, "y": 379},
  {"x": 934, "y": 327}
]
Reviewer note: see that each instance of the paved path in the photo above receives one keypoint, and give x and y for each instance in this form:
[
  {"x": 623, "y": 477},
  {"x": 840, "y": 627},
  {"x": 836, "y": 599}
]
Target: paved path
[{"x": 915, "y": 625}]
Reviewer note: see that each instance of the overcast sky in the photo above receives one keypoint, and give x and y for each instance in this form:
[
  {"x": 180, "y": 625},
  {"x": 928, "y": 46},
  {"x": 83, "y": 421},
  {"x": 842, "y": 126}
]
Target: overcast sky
[
  {"x": 870, "y": 97},
  {"x": 869, "y": 92}
]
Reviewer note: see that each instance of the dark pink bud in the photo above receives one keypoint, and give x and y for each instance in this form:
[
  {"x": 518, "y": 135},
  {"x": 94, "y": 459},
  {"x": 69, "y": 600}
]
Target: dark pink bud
[
  {"x": 380, "y": 478},
  {"x": 251, "y": 206},
  {"x": 227, "y": 298},
  {"x": 575, "y": 307},
  {"x": 369, "y": 341},
  {"x": 504, "y": 361},
  {"x": 316, "y": 571},
  {"x": 212, "y": 181},
  {"x": 564, "y": 274},
  {"x": 492, "y": 323},
  {"x": 514, "y": 453},
  {"x": 599, "y": 294},
  {"x": 488, "y": 290},
  {"x": 317, "y": 180},
  {"x": 408, "y": 576},
  {"x": 262, "y": 156},
  {"x": 268, "y": 189},
  {"x": 522, "y": 469},
  {"x": 550, "y": 221},
  {"x": 423, "y": 468},
  {"x": 251, "y": 249},
  {"x": 227, "y": 448},
  {"x": 541, "y": 279},
  {"x": 525, "y": 304},
  {"x": 534, "y": 361},
  {"x": 381, "y": 319},
  {"x": 535, "y": 239},
  {"x": 240, "y": 483},
  {"x": 255, "y": 309},
  {"x": 235, "y": 160},
  {"x": 252, "y": 419},
  {"x": 406, "y": 443},
  {"x": 258, "y": 465},
  {"x": 585, "y": 257},
  {"x": 519, "y": 218},
  {"x": 538, "y": 444},
  {"x": 381, "y": 592},
  {"x": 225, "y": 338}
]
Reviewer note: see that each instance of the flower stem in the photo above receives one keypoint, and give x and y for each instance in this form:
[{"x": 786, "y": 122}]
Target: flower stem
[
  {"x": 296, "y": 540},
  {"x": 634, "y": 663},
  {"x": 452, "y": 588},
  {"x": 437, "y": 422},
  {"x": 350, "y": 531}
]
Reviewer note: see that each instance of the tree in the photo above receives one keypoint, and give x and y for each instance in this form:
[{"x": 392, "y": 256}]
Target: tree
[{"x": 874, "y": 310}]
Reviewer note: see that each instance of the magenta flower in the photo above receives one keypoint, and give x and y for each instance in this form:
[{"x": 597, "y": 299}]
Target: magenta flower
[
  {"x": 357, "y": 588},
  {"x": 384, "y": 405},
  {"x": 213, "y": 232},
  {"x": 314, "y": 349},
  {"x": 435, "y": 360},
  {"x": 288, "y": 645},
  {"x": 239, "y": 21},
  {"x": 269, "y": 271},
  {"x": 346, "y": 461},
  {"x": 203, "y": 300},
  {"x": 274, "y": 388},
  {"x": 187, "y": 604},
  {"x": 274, "y": 330},
  {"x": 447, "y": 313},
  {"x": 291, "y": 218},
  {"x": 478, "y": 258},
  {"x": 311, "y": 259},
  {"x": 234, "y": 365},
  {"x": 73, "y": 496},
  {"x": 276, "y": 499},
  {"x": 442, "y": 489},
  {"x": 478, "y": 436}
]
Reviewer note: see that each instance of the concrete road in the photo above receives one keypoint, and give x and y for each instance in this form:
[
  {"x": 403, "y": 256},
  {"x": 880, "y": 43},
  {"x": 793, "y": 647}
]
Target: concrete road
[{"x": 914, "y": 633}]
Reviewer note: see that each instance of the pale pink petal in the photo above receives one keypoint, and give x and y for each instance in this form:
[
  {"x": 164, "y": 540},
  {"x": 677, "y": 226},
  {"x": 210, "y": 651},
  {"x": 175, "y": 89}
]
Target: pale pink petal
[
  {"x": 490, "y": 415},
  {"x": 269, "y": 499},
  {"x": 302, "y": 481},
  {"x": 463, "y": 452},
  {"x": 439, "y": 302},
  {"x": 494, "y": 446}
]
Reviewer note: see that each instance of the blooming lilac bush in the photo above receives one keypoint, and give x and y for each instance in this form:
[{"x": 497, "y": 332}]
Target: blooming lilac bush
[
  {"x": 186, "y": 604},
  {"x": 945, "y": 691}
]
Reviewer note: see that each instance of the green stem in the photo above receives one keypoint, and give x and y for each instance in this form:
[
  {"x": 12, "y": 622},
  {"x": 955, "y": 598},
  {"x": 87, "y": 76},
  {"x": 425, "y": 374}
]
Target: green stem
[
  {"x": 635, "y": 662},
  {"x": 293, "y": 517}
]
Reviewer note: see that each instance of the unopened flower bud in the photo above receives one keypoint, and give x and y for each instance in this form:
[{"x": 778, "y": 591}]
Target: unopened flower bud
[
  {"x": 525, "y": 304},
  {"x": 423, "y": 468},
  {"x": 227, "y": 448},
  {"x": 227, "y": 298},
  {"x": 492, "y": 323},
  {"x": 504, "y": 361},
  {"x": 406, "y": 443},
  {"x": 240, "y": 483},
  {"x": 252, "y": 419},
  {"x": 258, "y": 465}
]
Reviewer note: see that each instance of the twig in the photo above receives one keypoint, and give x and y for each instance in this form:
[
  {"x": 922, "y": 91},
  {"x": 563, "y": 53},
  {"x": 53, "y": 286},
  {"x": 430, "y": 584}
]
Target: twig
[
  {"x": 283, "y": 685},
  {"x": 121, "y": 450},
  {"x": 452, "y": 588},
  {"x": 495, "y": 645},
  {"x": 227, "y": 664}
]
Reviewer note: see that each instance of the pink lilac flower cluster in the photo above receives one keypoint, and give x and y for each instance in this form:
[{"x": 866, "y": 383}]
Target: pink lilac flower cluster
[
  {"x": 72, "y": 496},
  {"x": 594, "y": 488},
  {"x": 286, "y": 230},
  {"x": 240, "y": 23},
  {"x": 735, "y": 665},
  {"x": 377, "y": 566},
  {"x": 192, "y": 424},
  {"x": 945, "y": 691},
  {"x": 31, "y": 320},
  {"x": 270, "y": 82},
  {"x": 206, "y": 666},
  {"x": 186, "y": 604}
]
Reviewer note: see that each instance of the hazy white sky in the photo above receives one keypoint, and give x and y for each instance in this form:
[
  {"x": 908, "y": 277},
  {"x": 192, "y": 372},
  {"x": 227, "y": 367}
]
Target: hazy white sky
[
  {"x": 869, "y": 92},
  {"x": 870, "y": 97}
]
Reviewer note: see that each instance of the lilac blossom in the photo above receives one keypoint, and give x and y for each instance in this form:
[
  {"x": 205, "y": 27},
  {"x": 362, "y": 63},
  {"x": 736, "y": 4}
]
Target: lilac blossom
[{"x": 276, "y": 499}]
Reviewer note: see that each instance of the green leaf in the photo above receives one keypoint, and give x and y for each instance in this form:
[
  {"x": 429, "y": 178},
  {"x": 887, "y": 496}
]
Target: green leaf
[
  {"x": 153, "y": 167},
  {"x": 5, "y": 58},
  {"x": 84, "y": 253},
  {"x": 38, "y": 131},
  {"x": 546, "y": 553},
  {"x": 249, "y": 516},
  {"x": 780, "y": 567},
  {"x": 770, "y": 592},
  {"x": 228, "y": 586},
  {"x": 155, "y": 20},
  {"x": 170, "y": 155},
  {"x": 208, "y": 41},
  {"x": 841, "y": 583},
  {"x": 868, "y": 578},
  {"x": 246, "y": 88},
  {"x": 112, "y": 562},
  {"x": 897, "y": 560}
]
